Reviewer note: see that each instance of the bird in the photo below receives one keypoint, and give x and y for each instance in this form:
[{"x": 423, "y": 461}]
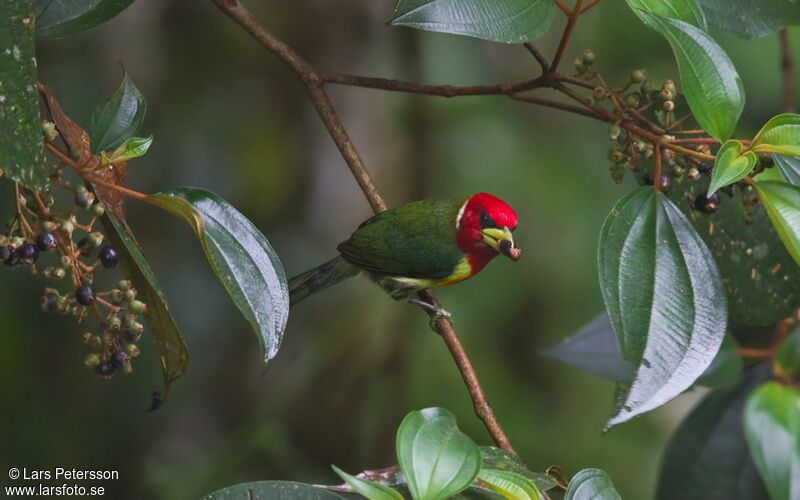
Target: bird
[{"x": 421, "y": 245}]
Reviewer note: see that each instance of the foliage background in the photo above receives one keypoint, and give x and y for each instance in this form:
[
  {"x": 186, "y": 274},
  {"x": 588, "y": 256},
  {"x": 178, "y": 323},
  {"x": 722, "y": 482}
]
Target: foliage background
[{"x": 227, "y": 116}]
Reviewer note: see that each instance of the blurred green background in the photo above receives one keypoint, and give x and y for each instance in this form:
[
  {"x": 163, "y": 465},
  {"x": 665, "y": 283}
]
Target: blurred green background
[{"x": 229, "y": 117}]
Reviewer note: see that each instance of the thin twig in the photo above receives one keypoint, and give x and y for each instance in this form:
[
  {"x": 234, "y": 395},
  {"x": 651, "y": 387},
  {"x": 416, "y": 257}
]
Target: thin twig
[
  {"x": 434, "y": 90},
  {"x": 787, "y": 71},
  {"x": 538, "y": 56},
  {"x": 314, "y": 83},
  {"x": 562, "y": 45},
  {"x": 589, "y": 5},
  {"x": 561, "y": 5}
]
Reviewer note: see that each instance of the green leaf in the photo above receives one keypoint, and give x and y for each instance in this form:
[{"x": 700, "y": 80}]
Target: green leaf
[
  {"x": 707, "y": 456},
  {"x": 510, "y": 485},
  {"x": 500, "y": 459},
  {"x": 118, "y": 118},
  {"x": 172, "y": 349},
  {"x": 664, "y": 296},
  {"x": 273, "y": 490},
  {"x": 22, "y": 155},
  {"x": 591, "y": 484},
  {"x": 711, "y": 85},
  {"x": 787, "y": 358},
  {"x": 505, "y": 21},
  {"x": 731, "y": 165},
  {"x": 782, "y": 203},
  {"x": 772, "y": 429},
  {"x": 781, "y": 135},
  {"x": 594, "y": 349},
  {"x": 789, "y": 167},
  {"x": 437, "y": 459},
  {"x": 57, "y": 18},
  {"x": 751, "y": 18},
  {"x": 684, "y": 10},
  {"x": 368, "y": 489},
  {"x": 240, "y": 256},
  {"x": 131, "y": 148}
]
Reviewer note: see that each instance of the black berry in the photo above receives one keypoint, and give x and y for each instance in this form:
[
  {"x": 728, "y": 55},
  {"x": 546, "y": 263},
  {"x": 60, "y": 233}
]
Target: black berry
[
  {"x": 664, "y": 183},
  {"x": 707, "y": 204},
  {"x": 108, "y": 257},
  {"x": 45, "y": 241},
  {"x": 85, "y": 295},
  {"x": 104, "y": 368},
  {"x": 50, "y": 302},
  {"x": 5, "y": 253},
  {"x": 83, "y": 198},
  {"x": 119, "y": 358},
  {"x": 27, "y": 253}
]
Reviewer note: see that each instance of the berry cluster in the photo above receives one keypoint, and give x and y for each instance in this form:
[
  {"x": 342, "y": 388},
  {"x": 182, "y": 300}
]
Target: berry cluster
[{"x": 75, "y": 251}]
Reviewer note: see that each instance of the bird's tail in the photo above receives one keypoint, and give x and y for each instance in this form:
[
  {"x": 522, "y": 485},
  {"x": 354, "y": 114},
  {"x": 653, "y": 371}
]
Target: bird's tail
[{"x": 319, "y": 278}]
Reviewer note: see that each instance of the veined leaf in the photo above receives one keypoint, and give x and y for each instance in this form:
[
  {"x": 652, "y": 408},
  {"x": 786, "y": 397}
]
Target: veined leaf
[
  {"x": 731, "y": 165},
  {"x": 510, "y": 485},
  {"x": 707, "y": 456},
  {"x": 684, "y": 10},
  {"x": 22, "y": 155},
  {"x": 789, "y": 167},
  {"x": 772, "y": 428},
  {"x": 131, "y": 148},
  {"x": 240, "y": 256},
  {"x": 781, "y": 135},
  {"x": 500, "y": 459},
  {"x": 505, "y": 21},
  {"x": 591, "y": 484},
  {"x": 437, "y": 459},
  {"x": 57, "y": 18},
  {"x": 171, "y": 347},
  {"x": 368, "y": 489},
  {"x": 782, "y": 203},
  {"x": 664, "y": 296},
  {"x": 711, "y": 85},
  {"x": 118, "y": 118},
  {"x": 273, "y": 490},
  {"x": 751, "y": 18}
]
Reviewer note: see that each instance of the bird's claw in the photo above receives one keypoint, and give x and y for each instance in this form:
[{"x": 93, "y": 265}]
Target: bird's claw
[{"x": 437, "y": 312}]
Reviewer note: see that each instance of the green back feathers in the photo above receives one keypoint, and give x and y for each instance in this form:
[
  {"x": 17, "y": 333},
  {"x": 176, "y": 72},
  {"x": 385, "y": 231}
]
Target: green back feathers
[{"x": 416, "y": 240}]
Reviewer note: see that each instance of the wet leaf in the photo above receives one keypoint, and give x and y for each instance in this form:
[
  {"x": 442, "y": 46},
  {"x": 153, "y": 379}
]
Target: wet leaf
[
  {"x": 780, "y": 135},
  {"x": 684, "y": 10},
  {"x": 782, "y": 203},
  {"x": 731, "y": 165},
  {"x": 57, "y": 18},
  {"x": 510, "y": 485},
  {"x": 591, "y": 484},
  {"x": 751, "y": 18},
  {"x": 118, "y": 118},
  {"x": 789, "y": 167}
]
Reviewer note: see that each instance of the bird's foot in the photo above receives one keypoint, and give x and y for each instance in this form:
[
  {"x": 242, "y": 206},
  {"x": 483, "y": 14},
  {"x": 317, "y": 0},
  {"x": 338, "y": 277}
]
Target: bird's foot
[{"x": 437, "y": 311}]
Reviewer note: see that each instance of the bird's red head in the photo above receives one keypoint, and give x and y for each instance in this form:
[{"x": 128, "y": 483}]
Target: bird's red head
[{"x": 484, "y": 227}]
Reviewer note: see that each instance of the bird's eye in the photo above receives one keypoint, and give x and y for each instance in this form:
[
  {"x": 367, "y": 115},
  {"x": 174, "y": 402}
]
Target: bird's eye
[{"x": 486, "y": 221}]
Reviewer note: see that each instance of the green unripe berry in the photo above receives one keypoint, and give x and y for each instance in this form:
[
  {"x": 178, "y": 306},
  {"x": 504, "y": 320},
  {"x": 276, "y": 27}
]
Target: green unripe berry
[
  {"x": 588, "y": 56},
  {"x": 115, "y": 296},
  {"x": 614, "y": 132},
  {"x": 129, "y": 295},
  {"x": 98, "y": 209},
  {"x": 693, "y": 174},
  {"x": 599, "y": 93},
  {"x": 91, "y": 360},
  {"x": 579, "y": 66},
  {"x": 632, "y": 100},
  {"x": 95, "y": 239},
  {"x": 669, "y": 86},
  {"x": 137, "y": 307},
  {"x": 669, "y": 106},
  {"x": 48, "y": 226},
  {"x": 114, "y": 323},
  {"x": 17, "y": 242},
  {"x": 648, "y": 87},
  {"x": 638, "y": 76},
  {"x": 124, "y": 285},
  {"x": 132, "y": 350},
  {"x": 67, "y": 226},
  {"x": 65, "y": 261},
  {"x": 49, "y": 130},
  {"x": 75, "y": 155}
]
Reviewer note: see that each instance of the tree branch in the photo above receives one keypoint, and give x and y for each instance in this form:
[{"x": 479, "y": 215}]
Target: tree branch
[
  {"x": 314, "y": 84},
  {"x": 562, "y": 45},
  {"x": 787, "y": 71}
]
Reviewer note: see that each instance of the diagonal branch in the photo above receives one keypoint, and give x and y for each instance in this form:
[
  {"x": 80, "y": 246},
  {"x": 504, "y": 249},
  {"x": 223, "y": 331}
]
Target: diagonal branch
[{"x": 314, "y": 83}]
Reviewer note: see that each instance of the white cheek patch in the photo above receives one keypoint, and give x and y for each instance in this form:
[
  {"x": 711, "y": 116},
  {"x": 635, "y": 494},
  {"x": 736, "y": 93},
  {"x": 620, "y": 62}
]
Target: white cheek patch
[{"x": 461, "y": 214}]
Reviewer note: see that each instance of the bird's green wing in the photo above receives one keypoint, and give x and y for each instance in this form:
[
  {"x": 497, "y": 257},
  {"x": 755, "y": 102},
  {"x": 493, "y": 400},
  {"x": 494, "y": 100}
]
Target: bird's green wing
[{"x": 417, "y": 240}]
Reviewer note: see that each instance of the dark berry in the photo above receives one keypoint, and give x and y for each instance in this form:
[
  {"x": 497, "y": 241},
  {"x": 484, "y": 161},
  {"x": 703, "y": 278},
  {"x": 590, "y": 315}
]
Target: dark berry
[
  {"x": 85, "y": 295},
  {"x": 6, "y": 252},
  {"x": 50, "y": 302},
  {"x": 664, "y": 183},
  {"x": 84, "y": 247},
  {"x": 108, "y": 257},
  {"x": 46, "y": 241},
  {"x": 704, "y": 169},
  {"x": 104, "y": 369},
  {"x": 27, "y": 253},
  {"x": 83, "y": 198},
  {"x": 707, "y": 204},
  {"x": 119, "y": 358}
]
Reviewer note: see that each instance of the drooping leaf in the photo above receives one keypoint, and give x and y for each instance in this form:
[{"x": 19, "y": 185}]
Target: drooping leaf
[
  {"x": 710, "y": 83},
  {"x": 131, "y": 148},
  {"x": 57, "y": 18},
  {"x": 171, "y": 347},
  {"x": 707, "y": 457},
  {"x": 731, "y": 165},
  {"x": 772, "y": 429},
  {"x": 241, "y": 258},
  {"x": 273, "y": 490},
  {"x": 751, "y": 18},
  {"x": 684, "y": 10},
  {"x": 782, "y": 203},
  {"x": 591, "y": 484},
  {"x": 594, "y": 349},
  {"x": 664, "y": 296},
  {"x": 780, "y": 135},
  {"x": 500, "y": 459},
  {"x": 789, "y": 167},
  {"x": 437, "y": 459},
  {"x": 368, "y": 489},
  {"x": 510, "y": 485},
  {"x": 787, "y": 358},
  {"x": 505, "y": 21},
  {"x": 118, "y": 118},
  {"x": 21, "y": 143}
]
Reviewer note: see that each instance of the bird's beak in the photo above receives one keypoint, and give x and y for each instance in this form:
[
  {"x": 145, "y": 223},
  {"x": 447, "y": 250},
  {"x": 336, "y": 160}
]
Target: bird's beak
[{"x": 502, "y": 241}]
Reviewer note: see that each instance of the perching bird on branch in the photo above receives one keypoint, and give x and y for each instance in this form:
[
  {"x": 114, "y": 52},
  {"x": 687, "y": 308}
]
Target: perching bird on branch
[{"x": 421, "y": 245}]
